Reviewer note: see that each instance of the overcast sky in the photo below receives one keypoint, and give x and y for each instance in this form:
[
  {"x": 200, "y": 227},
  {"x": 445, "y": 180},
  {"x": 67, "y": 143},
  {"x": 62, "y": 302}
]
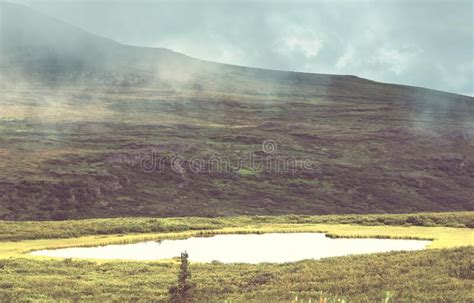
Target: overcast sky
[{"x": 421, "y": 43}]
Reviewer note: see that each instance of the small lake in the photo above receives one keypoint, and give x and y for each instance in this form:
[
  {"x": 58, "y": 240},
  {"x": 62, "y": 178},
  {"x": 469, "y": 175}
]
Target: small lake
[{"x": 241, "y": 248}]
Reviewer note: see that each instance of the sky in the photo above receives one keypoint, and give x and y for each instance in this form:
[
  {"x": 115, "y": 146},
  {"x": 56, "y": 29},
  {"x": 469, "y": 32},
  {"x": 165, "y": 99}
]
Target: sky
[{"x": 426, "y": 43}]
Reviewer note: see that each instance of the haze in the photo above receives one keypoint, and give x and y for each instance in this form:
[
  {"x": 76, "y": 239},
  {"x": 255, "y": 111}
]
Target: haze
[{"x": 395, "y": 42}]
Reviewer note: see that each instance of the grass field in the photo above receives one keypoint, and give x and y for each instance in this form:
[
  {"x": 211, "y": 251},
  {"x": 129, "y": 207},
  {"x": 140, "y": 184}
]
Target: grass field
[{"x": 441, "y": 273}]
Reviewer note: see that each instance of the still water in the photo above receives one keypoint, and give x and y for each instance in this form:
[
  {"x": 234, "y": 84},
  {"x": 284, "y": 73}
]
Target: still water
[{"x": 247, "y": 248}]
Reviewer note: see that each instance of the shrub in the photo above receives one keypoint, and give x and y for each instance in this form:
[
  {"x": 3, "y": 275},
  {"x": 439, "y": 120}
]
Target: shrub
[{"x": 182, "y": 293}]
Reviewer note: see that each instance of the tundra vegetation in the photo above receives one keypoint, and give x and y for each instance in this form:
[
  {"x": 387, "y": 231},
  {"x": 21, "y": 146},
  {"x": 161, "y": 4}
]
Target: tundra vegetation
[
  {"x": 441, "y": 273},
  {"x": 77, "y": 152}
]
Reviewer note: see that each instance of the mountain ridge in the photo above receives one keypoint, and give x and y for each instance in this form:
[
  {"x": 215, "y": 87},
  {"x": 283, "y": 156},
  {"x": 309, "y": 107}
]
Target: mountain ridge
[{"x": 108, "y": 57}]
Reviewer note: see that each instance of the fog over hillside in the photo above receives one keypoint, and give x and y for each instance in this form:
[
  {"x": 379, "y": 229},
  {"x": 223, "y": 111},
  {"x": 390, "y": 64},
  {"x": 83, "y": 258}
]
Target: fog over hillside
[
  {"x": 36, "y": 47},
  {"x": 390, "y": 41}
]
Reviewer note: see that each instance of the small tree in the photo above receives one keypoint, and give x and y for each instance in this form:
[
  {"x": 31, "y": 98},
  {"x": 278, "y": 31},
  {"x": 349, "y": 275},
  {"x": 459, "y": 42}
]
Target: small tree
[{"x": 182, "y": 293}]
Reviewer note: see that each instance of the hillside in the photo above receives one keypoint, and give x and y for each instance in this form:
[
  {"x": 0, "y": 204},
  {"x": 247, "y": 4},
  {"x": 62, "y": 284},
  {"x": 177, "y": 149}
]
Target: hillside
[{"x": 80, "y": 112}]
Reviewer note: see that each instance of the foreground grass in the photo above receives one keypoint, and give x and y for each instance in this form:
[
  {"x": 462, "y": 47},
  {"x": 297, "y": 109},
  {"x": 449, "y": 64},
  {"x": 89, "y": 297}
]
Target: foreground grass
[
  {"x": 424, "y": 276},
  {"x": 442, "y": 273}
]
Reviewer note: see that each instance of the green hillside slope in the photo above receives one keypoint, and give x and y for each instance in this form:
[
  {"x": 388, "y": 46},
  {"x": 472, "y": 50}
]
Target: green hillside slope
[{"x": 74, "y": 134}]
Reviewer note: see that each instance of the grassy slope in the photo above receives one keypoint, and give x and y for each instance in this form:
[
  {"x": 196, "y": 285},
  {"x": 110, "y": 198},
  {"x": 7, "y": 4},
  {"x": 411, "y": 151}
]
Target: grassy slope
[
  {"x": 433, "y": 275},
  {"x": 373, "y": 150}
]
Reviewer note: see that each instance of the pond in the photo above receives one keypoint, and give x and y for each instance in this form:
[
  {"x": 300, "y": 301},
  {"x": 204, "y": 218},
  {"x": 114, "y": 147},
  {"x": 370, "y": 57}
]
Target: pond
[{"x": 241, "y": 248}]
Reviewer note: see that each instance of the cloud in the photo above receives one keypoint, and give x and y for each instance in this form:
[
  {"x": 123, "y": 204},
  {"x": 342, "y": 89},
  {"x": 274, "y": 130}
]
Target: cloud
[
  {"x": 302, "y": 40},
  {"x": 396, "y": 60},
  {"x": 346, "y": 59}
]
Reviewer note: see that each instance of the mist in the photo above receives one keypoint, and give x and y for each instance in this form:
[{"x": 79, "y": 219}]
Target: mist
[{"x": 393, "y": 41}]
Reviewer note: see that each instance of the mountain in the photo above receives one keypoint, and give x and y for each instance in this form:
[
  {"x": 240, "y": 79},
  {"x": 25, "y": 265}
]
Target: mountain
[
  {"x": 37, "y": 47},
  {"x": 81, "y": 117}
]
